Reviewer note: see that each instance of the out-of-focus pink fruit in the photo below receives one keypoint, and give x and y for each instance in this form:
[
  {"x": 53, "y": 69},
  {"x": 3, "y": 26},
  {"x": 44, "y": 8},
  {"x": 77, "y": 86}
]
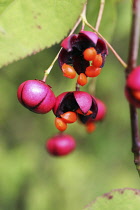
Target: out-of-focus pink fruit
[{"x": 60, "y": 145}]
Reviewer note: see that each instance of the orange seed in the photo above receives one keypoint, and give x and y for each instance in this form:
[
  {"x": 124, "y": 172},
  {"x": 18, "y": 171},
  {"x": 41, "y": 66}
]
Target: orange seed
[
  {"x": 98, "y": 60},
  {"x": 68, "y": 71},
  {"x": 136, "y": 94},
  {"x": 89, "y": 54},
  {"x": 92, "y": 71},
  {"x": 69, "y": 117},
  {"x": 90, "y": 127},
  {"x": 60, "y": 124},
  {"x": 82, "y": 79}
]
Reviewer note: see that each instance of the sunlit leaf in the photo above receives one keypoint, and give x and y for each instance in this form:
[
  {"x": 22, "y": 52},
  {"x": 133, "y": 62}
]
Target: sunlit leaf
[
  {"x": 4, "y": 4},
  {"x": 117, "y": 199},
  {"x": 27, "y": 27}
]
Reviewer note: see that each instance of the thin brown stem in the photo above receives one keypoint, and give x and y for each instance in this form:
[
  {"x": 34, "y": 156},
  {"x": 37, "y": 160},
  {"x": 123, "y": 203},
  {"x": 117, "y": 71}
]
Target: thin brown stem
[
  {"x": 92, "y": 84},
  {"x": 134, "y": 38},
  {"x": 111, "y": 48},
  {"x": 132, "y": 63},
  {"x": 47, "y": 71},
  {"x": 109, "y": 45},
  {"x": 77, "y": 88},
  {"x": 83, "y": 14},
  {"x": 100, "y": 14}
]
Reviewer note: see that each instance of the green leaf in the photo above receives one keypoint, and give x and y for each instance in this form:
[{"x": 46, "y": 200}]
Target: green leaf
[
  {"x": 27, "y": 27},
  {"x": 121, "y": 199},
  {"x": 4, "y": 4}
]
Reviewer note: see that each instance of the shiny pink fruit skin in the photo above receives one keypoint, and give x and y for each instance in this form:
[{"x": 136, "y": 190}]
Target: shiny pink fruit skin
[
  {"x": 101, "y": 110},
  {"x": 83, "y": 99},
  {"x": 133, "y": 84},
  {"x": 60, "y": 145},
  {"x": 36, "y": 96}
]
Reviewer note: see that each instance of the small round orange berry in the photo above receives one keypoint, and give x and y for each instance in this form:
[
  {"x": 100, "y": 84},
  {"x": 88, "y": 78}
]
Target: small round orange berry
[
  {"x": 92, "y": 71},
  {"x": 90, "y": 127},
  {"x": 79, "y": 111},
  {"x": 60, "y": 124},
  {"x": 89, "y": 112},
  {"x": 89, "y": 54},
  {"x": 82, "y": 79},
  {"x": 136, "y": 94},
  {"x": 68, "y": 71},
  {"x": 98, "y": 60},
  {"x": 69, "y": 117}
]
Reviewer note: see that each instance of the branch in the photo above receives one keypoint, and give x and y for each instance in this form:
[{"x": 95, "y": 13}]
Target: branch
[
  {"x": 102, "y": 4},
  {"x": 132, "y": 63},
  {"x": 47, "y": 71},
  {"x": 107, "y": 43}
]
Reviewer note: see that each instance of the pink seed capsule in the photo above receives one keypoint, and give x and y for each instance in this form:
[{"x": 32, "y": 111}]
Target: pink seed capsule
[
  {"x": 132, "y": 87},
  {"x": 60, "y": 145},
  {"x": 36, "y": 96},
  {"x": 101, "y": 110}
]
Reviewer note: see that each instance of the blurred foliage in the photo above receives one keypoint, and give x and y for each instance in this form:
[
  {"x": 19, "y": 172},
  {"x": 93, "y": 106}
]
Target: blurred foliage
[
  {"x": 31, "y": 179},
  {"x": 4, "y": 4}
]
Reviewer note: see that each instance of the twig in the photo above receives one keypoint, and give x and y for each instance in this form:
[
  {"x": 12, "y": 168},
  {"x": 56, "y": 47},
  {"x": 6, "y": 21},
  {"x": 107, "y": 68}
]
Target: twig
[
  {"x": 47, "y": 71},
  {"x": 132, "y": 62},
  {"x": 111, "y": 48},
  {"x": 102, "y": 3},
  {"x": 83, "y": 14},
  {"x": 92, "y": 85}
]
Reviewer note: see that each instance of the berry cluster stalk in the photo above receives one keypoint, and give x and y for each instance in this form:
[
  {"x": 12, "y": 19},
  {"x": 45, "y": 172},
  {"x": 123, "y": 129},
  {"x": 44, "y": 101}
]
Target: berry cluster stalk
[
  {"x": 132, "y": 63},
  {"x": 47, "y": 71},
  {"x": 92, "y": 85},
  {"x": 102, "y": 4}
]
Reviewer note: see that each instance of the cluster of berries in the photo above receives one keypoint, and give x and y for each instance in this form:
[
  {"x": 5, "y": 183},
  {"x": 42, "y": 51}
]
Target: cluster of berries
[{"x": 83, "y": 54}]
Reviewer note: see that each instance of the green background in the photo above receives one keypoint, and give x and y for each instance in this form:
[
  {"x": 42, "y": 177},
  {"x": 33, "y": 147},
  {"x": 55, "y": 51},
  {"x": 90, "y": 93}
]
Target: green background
[{"x": 31, "y": 179}]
